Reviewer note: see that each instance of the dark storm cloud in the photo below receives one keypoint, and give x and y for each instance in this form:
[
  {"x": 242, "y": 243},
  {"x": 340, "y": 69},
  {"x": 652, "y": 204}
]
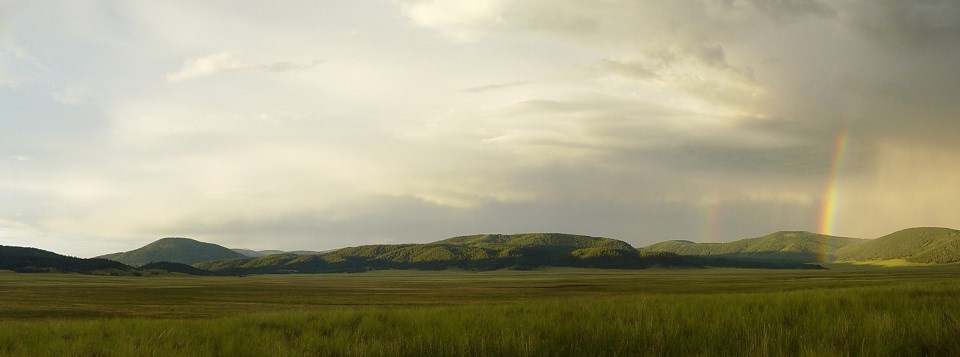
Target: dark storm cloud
[
  {"x": 788, "y": 8},
  {"x": 909, "y": 25}
]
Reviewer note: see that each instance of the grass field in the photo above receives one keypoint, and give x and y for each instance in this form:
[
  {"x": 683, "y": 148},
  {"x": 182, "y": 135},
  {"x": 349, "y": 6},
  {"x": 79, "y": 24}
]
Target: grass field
[{"x": 840, "y": 311}]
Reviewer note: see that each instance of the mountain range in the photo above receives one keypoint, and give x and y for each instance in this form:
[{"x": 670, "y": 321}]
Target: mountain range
[
  {"x": 477, "y": 252},
  {"x": 788, "y": 249}
]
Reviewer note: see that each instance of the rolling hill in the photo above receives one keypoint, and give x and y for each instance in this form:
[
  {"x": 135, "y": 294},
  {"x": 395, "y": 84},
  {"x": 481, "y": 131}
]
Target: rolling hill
[
  {"x": 475, "y": 252},
  {"x": 785, "y": 246},
  {"x": 31, "y": 260},
  {"x": 174, "y": 250},
  {"x": 914, "y": 245}
]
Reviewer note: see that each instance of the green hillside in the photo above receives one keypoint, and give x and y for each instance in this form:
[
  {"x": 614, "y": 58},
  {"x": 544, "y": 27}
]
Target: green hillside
[
  {"x": 31, "y": 260},
  {"x": 175, "y": 250},
  {"x": 915, "y": 245},
  {"x": 786, "y": 246}
]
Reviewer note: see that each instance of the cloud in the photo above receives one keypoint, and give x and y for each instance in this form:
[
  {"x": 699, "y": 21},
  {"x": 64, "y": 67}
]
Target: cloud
[
  {"x": 287, "y": 66},
  {"x": 754, "y": 92},
  {"x": 72, "y": 95},
  {"x": 913, "y": 24},
  {"x": 642, "y": 120},
  {"x": 457, "y": 18},
  {"x": 207, "y": 66},
  {"x": 791, "y": 8},
  {"x": 491, "y": 87},
  {"x": 745, "y": 56},
  {"x": 8, "y": 12},
  {"x": 226, "y": 62},
  {"x": 17, "y": 65}
]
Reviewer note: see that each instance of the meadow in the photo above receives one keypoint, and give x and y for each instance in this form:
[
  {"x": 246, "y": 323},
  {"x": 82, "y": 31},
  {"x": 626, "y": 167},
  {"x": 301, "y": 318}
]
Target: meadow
[{"x": 840, "y": 311}]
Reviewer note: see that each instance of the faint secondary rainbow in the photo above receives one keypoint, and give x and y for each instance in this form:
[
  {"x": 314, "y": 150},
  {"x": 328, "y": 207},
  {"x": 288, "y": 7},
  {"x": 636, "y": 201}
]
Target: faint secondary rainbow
[
  {"x": 828, "y": 211},
  {"x": 711, "y": 223}
]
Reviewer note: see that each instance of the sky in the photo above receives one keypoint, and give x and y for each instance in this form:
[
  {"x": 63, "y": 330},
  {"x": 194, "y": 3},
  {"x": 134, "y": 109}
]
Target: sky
[{"x": 323, "y": 124}]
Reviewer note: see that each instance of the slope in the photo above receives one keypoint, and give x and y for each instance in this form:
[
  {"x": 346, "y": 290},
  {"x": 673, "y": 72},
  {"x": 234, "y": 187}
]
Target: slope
[
  {"x": 784, "y": 246},
  {"x": 24, "y": 259},
  {"x": 175, "y": 250},
  {"x": 915, "y": 245}
]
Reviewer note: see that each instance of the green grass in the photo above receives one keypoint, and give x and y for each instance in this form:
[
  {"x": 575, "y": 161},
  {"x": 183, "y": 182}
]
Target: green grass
[{"x": 842, "y": 311}]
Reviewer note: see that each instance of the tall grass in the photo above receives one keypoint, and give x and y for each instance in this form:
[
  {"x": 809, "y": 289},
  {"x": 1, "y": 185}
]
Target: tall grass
[{"x": 905, "y": 319}]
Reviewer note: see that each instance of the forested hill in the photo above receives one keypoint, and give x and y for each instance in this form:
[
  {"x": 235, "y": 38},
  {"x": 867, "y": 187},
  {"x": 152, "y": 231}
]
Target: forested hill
[
  {"x": 175, "y": 250},
  {"x": 31, "y": 260}
]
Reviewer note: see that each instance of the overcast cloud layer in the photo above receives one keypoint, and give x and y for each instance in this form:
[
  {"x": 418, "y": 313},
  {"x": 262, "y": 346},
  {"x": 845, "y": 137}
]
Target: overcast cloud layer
[{"x": 316, "y": 125}]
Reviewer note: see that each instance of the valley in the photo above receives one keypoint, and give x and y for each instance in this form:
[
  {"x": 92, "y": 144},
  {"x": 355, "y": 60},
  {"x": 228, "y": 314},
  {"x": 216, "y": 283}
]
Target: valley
[
  {"x": 786, "y": 293},
  {"x": 902, "y": 311}
]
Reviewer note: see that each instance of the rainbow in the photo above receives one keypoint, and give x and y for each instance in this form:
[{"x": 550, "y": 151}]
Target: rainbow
[{"x": 828, "y": 210}]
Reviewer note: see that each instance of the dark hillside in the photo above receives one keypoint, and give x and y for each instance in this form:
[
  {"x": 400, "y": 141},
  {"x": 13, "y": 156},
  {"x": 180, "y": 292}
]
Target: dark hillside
[{"x": 25, "y": 260}]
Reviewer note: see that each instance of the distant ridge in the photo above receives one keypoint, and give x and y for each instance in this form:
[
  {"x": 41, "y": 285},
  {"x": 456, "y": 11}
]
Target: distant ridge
[
  {"x": 256, "y": 253},
  {"x": 915, "y": 245},
  {"x": 784, "y": 246},
  {"x": 262, "y": 253},
  {"x": 175, "y": 250}
]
